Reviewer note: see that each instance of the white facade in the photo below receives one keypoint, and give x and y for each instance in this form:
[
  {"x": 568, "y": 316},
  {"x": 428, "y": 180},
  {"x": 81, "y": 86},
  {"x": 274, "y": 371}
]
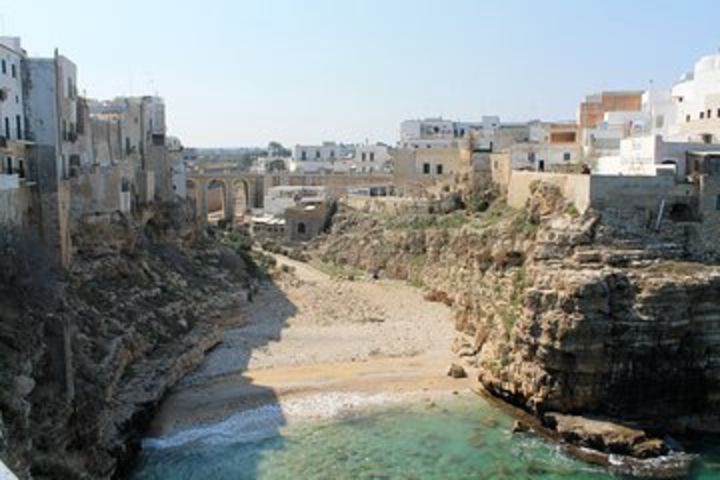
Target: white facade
[
  {"x": 319, "y": 158},
  {"x": 650, "y": 154},
  {"x": 367, "y": 158},
  {"x": 696, "y": 98},
  {"x": 51, "y": 113},
  {"x": 605, "y": 139},
  {"x": 441, "y": 133},
  {"x": 12, "y": 107}
]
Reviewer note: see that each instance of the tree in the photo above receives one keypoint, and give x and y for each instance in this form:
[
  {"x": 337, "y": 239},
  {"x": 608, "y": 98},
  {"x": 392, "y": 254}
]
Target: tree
[{"x": 276, "y": 149}]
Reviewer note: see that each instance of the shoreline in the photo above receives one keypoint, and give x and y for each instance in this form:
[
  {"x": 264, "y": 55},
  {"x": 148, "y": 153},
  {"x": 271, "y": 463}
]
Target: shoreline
[{"x": 230, "y": 394}]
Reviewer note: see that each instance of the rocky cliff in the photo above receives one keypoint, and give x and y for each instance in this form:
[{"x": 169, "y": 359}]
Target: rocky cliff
[
  {"x": 86, "y": 355},
  {"x": 592, "y": 314}
]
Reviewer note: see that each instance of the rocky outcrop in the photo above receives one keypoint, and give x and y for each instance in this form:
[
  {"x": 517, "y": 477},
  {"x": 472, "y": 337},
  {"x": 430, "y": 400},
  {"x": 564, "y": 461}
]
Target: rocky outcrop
[
  {"x": 84, "y": 369},
  {"x": 559, "y": 311}
]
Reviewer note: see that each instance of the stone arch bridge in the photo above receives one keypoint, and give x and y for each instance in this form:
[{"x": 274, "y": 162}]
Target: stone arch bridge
[
  {"x": 244, "y": 191},
  {"x": 241, "y": 192}
]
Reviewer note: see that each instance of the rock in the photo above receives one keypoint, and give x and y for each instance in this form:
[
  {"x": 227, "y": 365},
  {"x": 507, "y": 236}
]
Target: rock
[
  {"x": 456, "y": 371},
  {"x": 23, "y": 385},
  {"x": 602, "y": 435},
  {"x": 520, "y": 427},
  {"x": 650, "y": 449}
]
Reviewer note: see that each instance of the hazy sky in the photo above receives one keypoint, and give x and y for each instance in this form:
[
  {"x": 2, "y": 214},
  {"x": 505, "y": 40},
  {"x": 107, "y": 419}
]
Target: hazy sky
[{"x": 237, "y": 72}]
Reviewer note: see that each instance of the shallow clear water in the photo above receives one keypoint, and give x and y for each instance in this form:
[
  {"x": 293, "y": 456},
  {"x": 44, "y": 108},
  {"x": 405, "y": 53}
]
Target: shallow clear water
[{"x": 458, "y": 438}]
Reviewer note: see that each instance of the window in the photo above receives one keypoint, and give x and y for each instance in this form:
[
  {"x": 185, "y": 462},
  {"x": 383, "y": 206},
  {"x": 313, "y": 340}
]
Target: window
[
  {"x": 706, "y": 137},
  {"x": 317, "y": 153},
  {"x": 18, "y": 126},
  {"x": 372, "y": 156},
  {"x": 303, "y": 155},
  {"x": 8, "y": 166},
  {"x": 332, "y": 153},
  {"x": 3, "y": 65},
  {"x": 7, "y": 128},
  {"x": 13, "y": 70},
  {"x": 717, "y": 202},
  {"x": 439, "y": 169},
  {"x": 687, "y": 117},
  {"x": 426, "y": 168},
  {"x": 718, "y": 112},
  {"x": 301, "y": 228},
  {"x": 566, "y": 156},
  {"x": 362, "y": 157},
  {"x": 702, "y": 115}
]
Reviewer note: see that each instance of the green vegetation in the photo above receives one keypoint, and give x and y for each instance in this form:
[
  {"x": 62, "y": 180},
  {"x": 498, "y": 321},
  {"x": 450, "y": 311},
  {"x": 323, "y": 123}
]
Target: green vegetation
[
  {"x": 427, "y": 221},
  {"x": 257, "y": 263},
  {"x": 509, "y": 312},
  {"x": 523, "y": 226},
  {"x": 329, "y": 267}
]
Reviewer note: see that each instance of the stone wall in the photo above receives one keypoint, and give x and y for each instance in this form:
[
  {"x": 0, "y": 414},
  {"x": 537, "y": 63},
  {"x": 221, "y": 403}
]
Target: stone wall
[
  {"x": 99, "y": 193},
  {"x": 305, "y": 223},
  {"x": 575, "y": 188},
  {"x": 15, "y": 206}
]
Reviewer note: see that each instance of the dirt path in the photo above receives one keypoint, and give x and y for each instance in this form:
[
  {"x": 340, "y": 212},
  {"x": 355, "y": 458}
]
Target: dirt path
[{"x": 311, "y": 333}]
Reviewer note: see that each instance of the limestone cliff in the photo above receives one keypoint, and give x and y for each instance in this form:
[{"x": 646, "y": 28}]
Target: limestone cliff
[
  {"x": 592, "y": 314},
  {"x": 87, "y": 355}
]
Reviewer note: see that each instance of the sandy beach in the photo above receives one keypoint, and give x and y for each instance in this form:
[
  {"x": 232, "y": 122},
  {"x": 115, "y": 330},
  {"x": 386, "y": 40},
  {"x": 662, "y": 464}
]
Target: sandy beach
[{"x": 311, "y": 334}]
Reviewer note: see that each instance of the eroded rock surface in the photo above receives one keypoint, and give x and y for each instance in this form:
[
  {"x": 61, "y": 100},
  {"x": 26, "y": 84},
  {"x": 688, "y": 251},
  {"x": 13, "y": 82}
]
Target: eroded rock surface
[
  {"x": 557, "y": 311},
  {"x": 85, "y": 366}
]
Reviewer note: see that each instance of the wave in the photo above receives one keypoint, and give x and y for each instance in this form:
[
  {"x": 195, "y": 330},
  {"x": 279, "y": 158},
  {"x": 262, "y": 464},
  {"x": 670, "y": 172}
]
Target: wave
[{"x": 264, "y": 422}]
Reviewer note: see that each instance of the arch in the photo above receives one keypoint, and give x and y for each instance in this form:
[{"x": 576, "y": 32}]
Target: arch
[
  {"x": 241, "y": 201},
  {"x": 217, "y": 201}
]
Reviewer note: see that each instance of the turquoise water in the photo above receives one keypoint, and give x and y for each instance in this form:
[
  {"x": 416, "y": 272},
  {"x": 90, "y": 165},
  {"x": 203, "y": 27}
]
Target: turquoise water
[{"x": 459, "y": 438}]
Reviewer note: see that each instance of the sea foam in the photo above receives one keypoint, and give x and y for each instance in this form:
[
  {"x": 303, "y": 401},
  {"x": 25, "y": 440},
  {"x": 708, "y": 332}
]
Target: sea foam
[{"x": 265, "y": 421}]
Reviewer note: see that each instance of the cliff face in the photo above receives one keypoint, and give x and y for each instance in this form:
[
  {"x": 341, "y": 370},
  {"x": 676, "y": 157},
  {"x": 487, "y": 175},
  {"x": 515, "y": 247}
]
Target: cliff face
[
  {"x": 85, "y": 365},
  {"x": 558, "y": 311}
]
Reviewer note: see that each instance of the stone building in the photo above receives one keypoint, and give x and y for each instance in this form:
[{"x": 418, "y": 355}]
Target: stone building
[
  {"x": 550, "y": 146},
  {"x": 319, "y": 158},
  {"x": 307, "y": 219},
  {"x": 51, "y": 108},
  {"x": 13, "y": 161}
]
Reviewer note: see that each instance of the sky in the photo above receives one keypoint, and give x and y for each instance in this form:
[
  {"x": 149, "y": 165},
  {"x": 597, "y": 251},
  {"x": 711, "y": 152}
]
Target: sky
[{"x": 245, "y": 72}]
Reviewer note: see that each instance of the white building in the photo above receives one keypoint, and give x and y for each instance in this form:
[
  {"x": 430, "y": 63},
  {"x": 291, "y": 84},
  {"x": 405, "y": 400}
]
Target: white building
[
  {"x": 52, "y": 112},
  {"x": 550, "y": 146},
  {"x": 674, "y": 124},
  {"x": 696, "y": 101},
  {"x": 604, "y": 139},
  {"x": 441, "y": 133},
  {"x": 367, "y": 159},
  {"x": 319, "y": 158},
  {"x": 650, "y": 154},
  {"x": 12, "y": 112}
]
